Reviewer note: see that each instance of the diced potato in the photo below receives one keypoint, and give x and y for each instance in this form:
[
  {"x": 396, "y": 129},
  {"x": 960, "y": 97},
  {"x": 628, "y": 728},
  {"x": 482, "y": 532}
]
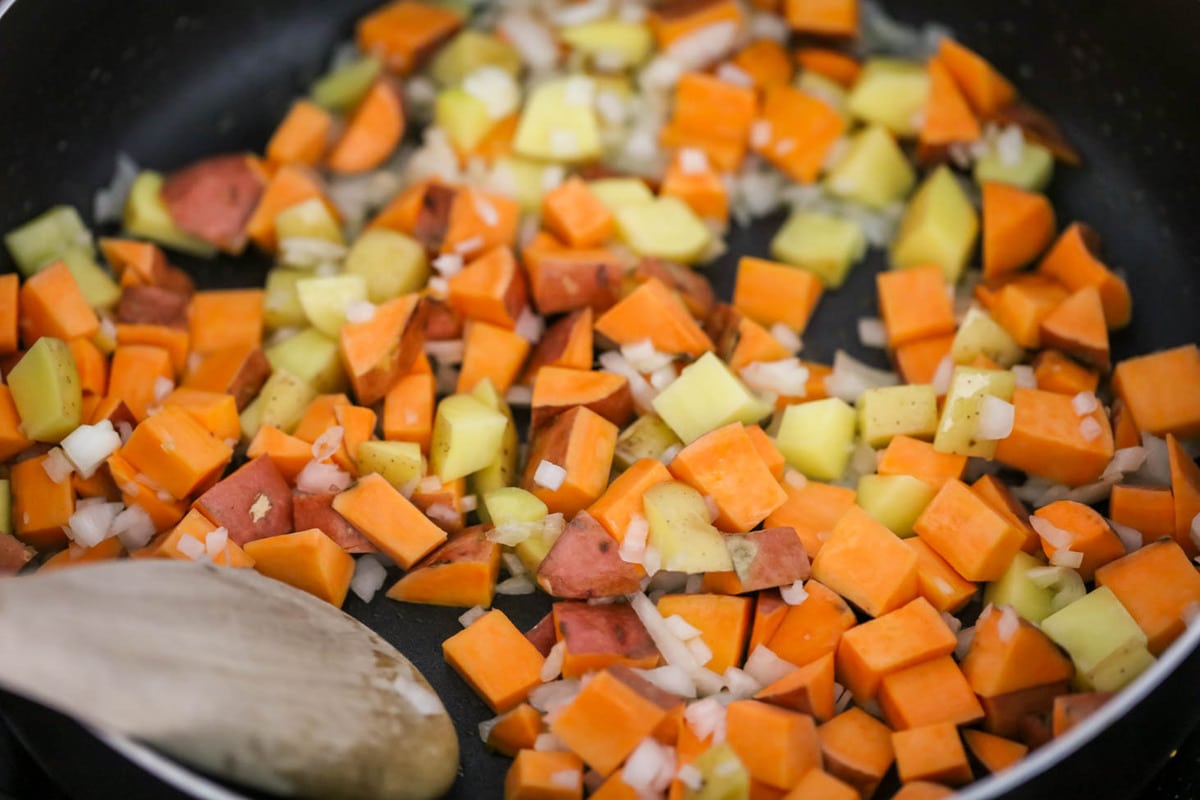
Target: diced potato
[
  {"x": 469, "y": 50},
  {"x": 666, "y": 228},
  {"x": 509, "y": 504},
  {"x": 326, "y": 298},
  {"x": 887, "y": 411},
  {"x": 1032, "y": 171},
  {"x": 706, "y": 396},
  {"x": 559, "y": 123},
  {"x": 723, "y": 776},
  {"x": 146, "y": 216},
  {"x": 958, "y": 429},
  {"x": 312, "y": 357},
  {"x": 533, "y": 551},
  {"x": 646, "y": 437},
  {"x": 681, "y": 532},
  {"x": 894, "y": 500},
  {"x": 391, "y": 263},
  {"x": 46, "y": 238},
  {"x": 980, "y": 335},
  {"x": 892, "y": 93},
  {"x": 281, "y": 402},
  {"x": 467, "y": 434},
  {"x": 823, "y": 244},
  {"x": 309, "y": 219},
  {"x": 939, "y": 227},
  {"x": 463, "y": 116},
  {"x": 618, "y": 193},
  {"x": 817, "y": 438},
  {"x": 340, "y": 89},
  {"x": 400, "y": 463},
  {"x": 6, "y": 526},
  {"x": 874, "y": 170},
  {"x": 1034, "y": 600},
  {"x": 502, "y": 470},
  {"x": 1103, "y": 640},
  {"x": 281, "y": 301},
  {"x": 611, "y": 43},
  {"x": 96, "y": 285},
  {"x": 46, "y": 391}
]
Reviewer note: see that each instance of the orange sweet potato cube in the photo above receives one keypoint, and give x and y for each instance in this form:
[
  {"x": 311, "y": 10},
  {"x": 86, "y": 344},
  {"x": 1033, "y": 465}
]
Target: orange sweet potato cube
[{"x": 496, "y": 659}]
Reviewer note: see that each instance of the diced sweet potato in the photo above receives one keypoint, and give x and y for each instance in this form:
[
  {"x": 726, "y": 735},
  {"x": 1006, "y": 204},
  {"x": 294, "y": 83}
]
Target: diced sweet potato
[
  {"x": 213, "y": 199},
  {"x": 240, "y": 371},
  {"x": 584, "y": 563},
  {"x": 768, "y": 558},
  {"x": 462, "y": 572},
  {"x": 599, "y": 636},
  {"x": 316, "y": 511},
  {"x": 154, "y": 305},
  {"x": 253, "y": 503}
]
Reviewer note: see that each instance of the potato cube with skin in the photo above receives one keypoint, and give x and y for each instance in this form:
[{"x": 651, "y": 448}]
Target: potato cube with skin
[
  {"x": 1031, "y": 170},
  {"x": 466, "y": 436},
  {"x": 874, "y": 170},
  {"x": 468, "y": 51},
  {"x": 958, "y": 428},
  {"x": 618, "y": 193},
  {"x": 325, "y": 299},
  {"x": 391, "y": 263},
  {"x": 400, "y": 463},
  {"x": 823, "y": 244},
  {"x": 980, "y": 335},
  {"x": 463, "y": 116},
  {"x": 895, "y": 500},
  {"x": 891, "y": 93},
  {"x": 939, "y": 227},
  {"x": 312, "y": 357},
  {"x": 559, "y": 123},
  {"x": 888, "y": 411},
  {"x": 816, "y": 438},
  {"x": 46, "y": 390},
  {"x": 680, "y": 530},
  {"x": 280, "y": 403},
  {"x": 666, "y": 228},
  {"x": 253, "y": 503},
  {"x": 706, "y": 396},
  {"x": 1103, "y": 639},
  {"x": 616, "y": 41}
]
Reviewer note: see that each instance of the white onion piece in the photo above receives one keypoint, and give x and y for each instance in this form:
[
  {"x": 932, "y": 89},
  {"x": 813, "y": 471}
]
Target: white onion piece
[
  {"x": 530, "y": 326},
  {"x": 670, "y": 679},
  {"x": 1089, "y": 493},
  {"x": 766, "y": 667},
  {"x": 1007, "y": 624},
  {"x": 1026, "y": 377},
  {"x": 57, "y": 466},
  {"x": 446, "y": 351},
  {"x": 787, "y": 337},
  {"x": 470, "y": 615},
  {"x": 511, "y": 534},
  {"x": 1090, "y": 430},
  {"x": 872, "y": 332},
  {"x": 89, "y": 445},
  {"x": 1053, "y": 534},
  {"x": 700, "y": 650},
  {"x": 328, "y": 443},
  {"x": 552, "y": 666},
  {"x": 360, "y": 311},
  {"x": 569, "y": 779},
  {"x": 448, "y": 264},
  {"x": 681, "y": 628},
  {"x": 704, "y": 45},
  {"x": 135, "y": 529},
  {"x": 215, "y": 542},
  {"x": 643, "y": 357},
  {"x": 1157, "y": 468},
  {"x": 706, "y": 718},
  {"x": 649, "y": 768},
  {"x": 850, "y": 377},
  {"x": 549, "y": 475},
  {"x": 674, "y": 651},
  {"x": 1067, "y": 558},
  {"x": 1194, "y": 531},
  {"x": 1084, "y": 403},
  {"x": 533, "y": 40},
  {"x": 643, "y": 392},
  {"x": 516, "y": 585},
  {"x": 369, "y": 575},
  {"x": 690, "y": 777},
  {"x": 190, "y": 546},
  {"x": 965, "y": 637},
  {"x": 952, "y": 622},
  {"x": 943, "y": 375},
  {"x": 1130, "y": 538},
  {"x": 787, "y": 377},
  {"x": 549, "y": 743},
  {"x": 91, "y": 523},
  {"x": 740, "y": 683},
  {"x": 795, "y": 594},
  {"x": 996, "y": 418},
  {"x": 319, "y": 477},
  {"x": 1124, "y": 461}
]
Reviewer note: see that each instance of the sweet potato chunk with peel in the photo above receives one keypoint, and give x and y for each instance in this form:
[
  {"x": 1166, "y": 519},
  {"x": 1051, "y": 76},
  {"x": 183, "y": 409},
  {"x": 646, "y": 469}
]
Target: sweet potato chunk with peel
[
  {"x": 596, "y": 637},
  {"x": 994, "y": 752},
  {"x": 380, "y": 350},
  {"x": 1004, "y": 713},
  {"x": 768, "y": 558},
  {"x": 462, "y": 572},
  {"x": 240, "y": 370},
  {"x": 562, "y": 279},
  {"x": 1001, "y": 661},
  {"x": 254, "y": 502},
  {"x": 857, "y": 748},
  {"x": 556, "y": 390},
  {"x": 13, "y": 554},
  {"x": 567, "y": 343},
  {"x": 1077, "y": 327},
  {"x": 316, "y": 511},
  {"x": 1185, "y": 494},
  {"x": 808, "y": 690},
  {"x": 1072, "y": 709},
  {"x": 389, "y": 520},
  {"x": 584, "y": 563},
  {"x": 1051, "y": 440},
  {"x": 776, "y": 745}
]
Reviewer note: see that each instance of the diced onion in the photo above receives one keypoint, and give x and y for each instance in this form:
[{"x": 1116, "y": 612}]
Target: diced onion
[
  {"x": 215, "y": 542},
  {"x": 952, "y": 622},
  {"x": 1157, "y": 468},
  {"x": 1026, "y": 378},
  {"x": 643, "y": 392},
  {"x": 674, "y": 651},
  {"x": 1067, "y": 558},
  {"x": 643, "y": 357},
  {"x": 446, "y": 351},
  {"x": 943, "y": 375},
  {"x": 443, "y": 514},
  {"x": 369, "y": 575},
  {"x": 787, "y": 337},
  {"x": 872, "y": 332},
  {"x": 787, "y": 377},
  {"x": 135, "y": 528},
  {"x": 190, "y": 546},
  {"x": 700, "y": 651},
  {"x": 513, "y": 563},
  {"x": 850, "y": 377},
  {"x": 1007, "y": 624},
  {"x": 470, "y": 615},
  {"x": 530, "y": 326},
  {"x": 690, "y": 776},
  {"x": 651, "y": 560},
  {"x": 965, "y": 637},
  {"x": 468, "y": 246},
  {"x": 760, "y": 134},
  {"x": 88, "y": 446},
  {"x": 706, "y": 718},
  {"x": 766, "y": 667},
  {"x": 548, "y": 742},
  {"x": 633, "y": 546},
  {"x": 1089, "y": 429},
  {"x": 1194, "y": 530},
  {"x": 1124, "y": 461},
  {"x": 1084, "y": 403},
  {"x": 569, "y": 779},
  {"x": 670, "y": 679},
  {"x": 704, "y": 45},
  {"x": 328, "y": 443},
  {"x": 448, "y": 264},
  {"x": 57, "y": 466},
  {"x": 740, "y": 683},
  {"x": 692, "y": 161},
  {"x": 1053, "y": 534},
  {"x": 552, "y": 666},
  {"x": 649, "y": 768},
  {"x": 681, "y": 628},
  {"x": 533, "y": 40},
  {"x": 1130, "y": 538},
  {"x": 996, "y": 418},
  {"x": 732, "y": 73},
  {"x": 795, "y": 594},
  {"x": 91, "y": 523},
  {"x": 360, "y": 311},
  {"x": 549, "y": 475},
  {"x": 319, "y": 477},
  {"x": 1010, "y": 144},
  {"x": 516, "y": 585},
  {"x": 552, "y": 696}
]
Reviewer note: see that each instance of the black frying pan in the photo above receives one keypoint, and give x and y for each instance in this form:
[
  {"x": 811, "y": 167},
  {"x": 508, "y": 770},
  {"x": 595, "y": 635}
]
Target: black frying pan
[{"x": 169, "y": 82}]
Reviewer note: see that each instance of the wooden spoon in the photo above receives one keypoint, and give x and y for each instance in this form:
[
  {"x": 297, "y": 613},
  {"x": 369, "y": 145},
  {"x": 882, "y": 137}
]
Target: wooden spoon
[{"x": 231, "y": 672}]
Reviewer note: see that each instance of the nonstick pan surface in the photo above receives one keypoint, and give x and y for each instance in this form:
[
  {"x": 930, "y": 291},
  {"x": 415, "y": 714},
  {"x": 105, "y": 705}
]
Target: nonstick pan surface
[{"x": 169, "y": 82}]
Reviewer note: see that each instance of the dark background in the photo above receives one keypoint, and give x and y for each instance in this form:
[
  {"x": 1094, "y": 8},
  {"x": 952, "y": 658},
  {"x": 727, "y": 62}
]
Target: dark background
[{"x": 169, "y": 82}]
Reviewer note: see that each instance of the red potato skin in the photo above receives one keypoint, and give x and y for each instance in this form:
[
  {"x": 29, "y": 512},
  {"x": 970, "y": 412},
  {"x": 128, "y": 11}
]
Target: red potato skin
[
  {"x": 542, "y": 635},
  {"x": 434, "y": 217},
  {"x": 1003, "y": 714},
  {"x": 566, "y": 283},
  {"x": 246, "y": 381},
  {"x": 584, "y": 563},
  {"x": 13, "y": 555},
  {"x": 316, "y": 511},
  {"x": 153, "y": 305},
  {"x": 768, "y": 558},
  {"x": 616, "y": 407},
  {"x": 212, "y": 199},
  {"x": 722, "y": 325},
  {"x": 442, "y": 321},
  {"x": 253, "y": 503},
  {"x": 1072, "y": 709},
  {"x": 603, "y": 629},
  {"x": 554, "y": 341}
]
